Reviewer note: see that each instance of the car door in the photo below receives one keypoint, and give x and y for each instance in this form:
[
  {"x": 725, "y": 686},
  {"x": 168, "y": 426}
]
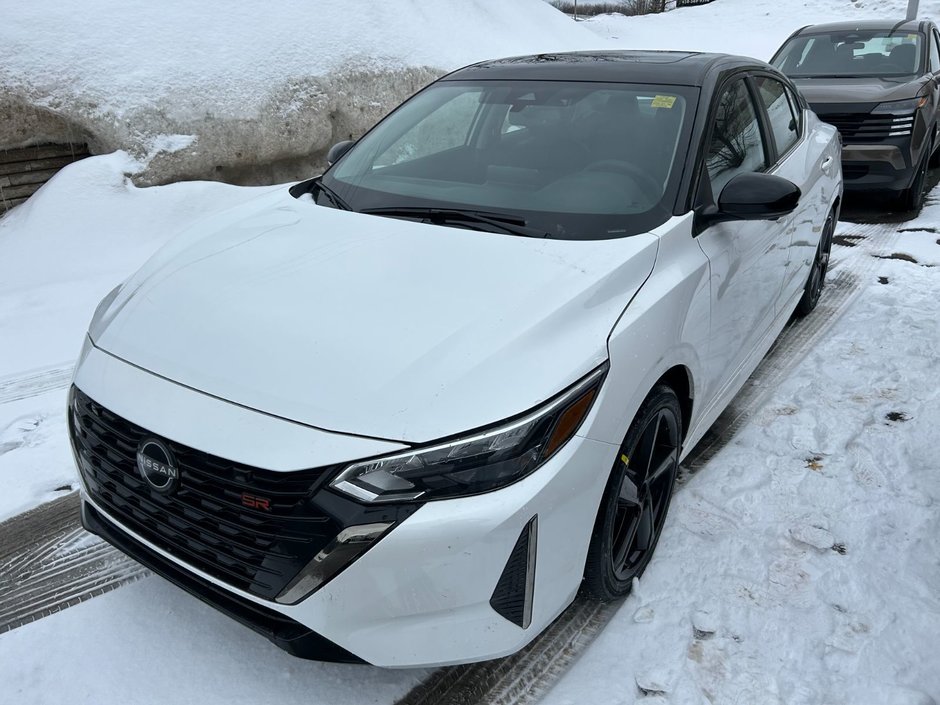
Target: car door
[
  {"x": 747, "y": 259},
  {"x": 802, "y": 160}
]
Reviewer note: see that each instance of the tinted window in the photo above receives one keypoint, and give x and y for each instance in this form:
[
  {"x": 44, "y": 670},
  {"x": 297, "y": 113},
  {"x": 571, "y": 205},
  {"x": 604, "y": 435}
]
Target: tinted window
[
  {"x": 852, "y": 53},
  {"x": 735, "y": 146},
  {"x": 783, "y": 118},
  {"x": 575, "y": 160}
]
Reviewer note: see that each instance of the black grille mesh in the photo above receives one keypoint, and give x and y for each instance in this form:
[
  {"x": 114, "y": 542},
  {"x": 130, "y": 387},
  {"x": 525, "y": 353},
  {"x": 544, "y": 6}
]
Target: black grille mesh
[{"x": 205, "y": 521}]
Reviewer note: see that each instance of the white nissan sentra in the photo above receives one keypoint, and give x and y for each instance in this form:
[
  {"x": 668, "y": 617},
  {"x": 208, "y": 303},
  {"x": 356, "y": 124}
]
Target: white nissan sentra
[{"x": 403, "y": 412}]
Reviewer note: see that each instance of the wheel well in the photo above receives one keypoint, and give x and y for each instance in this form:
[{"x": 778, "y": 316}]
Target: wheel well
[{"x": 679, "y": 379}]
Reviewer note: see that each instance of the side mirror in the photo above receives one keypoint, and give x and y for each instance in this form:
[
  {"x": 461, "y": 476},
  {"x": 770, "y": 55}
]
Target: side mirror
[
  {"x": 338, "y": 150},
  {"x": 753, "y": 196}
]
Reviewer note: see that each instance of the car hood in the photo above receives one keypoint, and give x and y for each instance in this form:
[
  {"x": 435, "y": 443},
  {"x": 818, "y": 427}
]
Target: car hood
[
  {"x": 836, "y": 91},
  {"x": 368, "y": 325}
]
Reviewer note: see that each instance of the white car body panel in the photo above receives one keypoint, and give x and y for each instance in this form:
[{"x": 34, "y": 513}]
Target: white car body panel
[{"x": 358, "y": 324}]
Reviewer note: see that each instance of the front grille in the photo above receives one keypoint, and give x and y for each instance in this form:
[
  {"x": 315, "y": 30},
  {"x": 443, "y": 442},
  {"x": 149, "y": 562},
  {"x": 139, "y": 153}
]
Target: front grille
[
  {"x": 205, "y": 521},
  {"x": 286, "y": 633},
  {"x": 861, "y": 128}
]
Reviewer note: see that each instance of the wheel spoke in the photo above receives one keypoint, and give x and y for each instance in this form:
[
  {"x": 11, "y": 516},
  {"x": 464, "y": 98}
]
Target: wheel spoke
[
  {"x": 643, "y": 455},
  {"x": 625, "y": 540},
  {"x": 629, "y": 494},
  {"x": 664, "y": 466},
  {"x": 644, "y": 531}
]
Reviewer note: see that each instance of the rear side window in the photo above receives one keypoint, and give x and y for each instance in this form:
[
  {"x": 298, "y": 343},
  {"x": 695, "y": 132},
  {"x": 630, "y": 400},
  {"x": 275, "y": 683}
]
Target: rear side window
[
  {"x": 735, "y": 146},
  {"x": 783, "y": 117}
]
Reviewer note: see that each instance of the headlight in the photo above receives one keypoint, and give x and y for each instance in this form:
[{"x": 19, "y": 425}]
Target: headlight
[
  {"x": 480, "y": 462},
  {"x": 901, "y": 106}
]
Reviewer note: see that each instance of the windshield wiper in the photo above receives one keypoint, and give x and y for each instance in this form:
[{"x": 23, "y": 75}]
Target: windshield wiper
[
  {"x": 331, "y": 195},
  {"x": 496, "y": 222}
]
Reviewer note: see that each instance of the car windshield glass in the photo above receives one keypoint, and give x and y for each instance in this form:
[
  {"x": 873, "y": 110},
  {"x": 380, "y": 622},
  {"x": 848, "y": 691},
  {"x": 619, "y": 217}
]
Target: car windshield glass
[
  {"x": 572, "y": 160},
  {"x": 855, "y": 53}
]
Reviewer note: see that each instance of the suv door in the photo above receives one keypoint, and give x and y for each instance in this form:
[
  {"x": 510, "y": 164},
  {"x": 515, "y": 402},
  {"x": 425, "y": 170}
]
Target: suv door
[{"x": 747, "y": 258}]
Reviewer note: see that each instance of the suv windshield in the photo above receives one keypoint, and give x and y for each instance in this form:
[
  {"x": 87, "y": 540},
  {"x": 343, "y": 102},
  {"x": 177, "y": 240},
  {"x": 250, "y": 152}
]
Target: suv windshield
[
  {"x": 852, "y": 54},
  {"x": 572, "y": 160}
]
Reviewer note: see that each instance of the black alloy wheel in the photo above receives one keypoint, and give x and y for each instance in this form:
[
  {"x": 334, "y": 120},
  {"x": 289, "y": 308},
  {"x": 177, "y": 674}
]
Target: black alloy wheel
[
  {"x": 633, "y": 509},
  {"x": 817, "y": 274}
]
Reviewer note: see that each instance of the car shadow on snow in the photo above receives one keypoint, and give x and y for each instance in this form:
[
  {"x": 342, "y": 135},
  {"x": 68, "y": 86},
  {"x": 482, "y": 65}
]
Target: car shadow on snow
[{"x": 868, "y": 208}]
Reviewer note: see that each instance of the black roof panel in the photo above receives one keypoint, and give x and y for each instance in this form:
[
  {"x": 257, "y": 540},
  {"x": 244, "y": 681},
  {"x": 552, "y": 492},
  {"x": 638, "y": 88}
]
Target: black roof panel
[{"x": 677, "y": 68}]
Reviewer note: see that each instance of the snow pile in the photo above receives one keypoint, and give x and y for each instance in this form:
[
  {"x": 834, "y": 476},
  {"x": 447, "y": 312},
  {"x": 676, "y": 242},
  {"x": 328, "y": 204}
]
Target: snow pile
[
  {"x": 265, "y": 89},
  {"x": 60, "y": 253},
  {"x": 747, "y": 27}
]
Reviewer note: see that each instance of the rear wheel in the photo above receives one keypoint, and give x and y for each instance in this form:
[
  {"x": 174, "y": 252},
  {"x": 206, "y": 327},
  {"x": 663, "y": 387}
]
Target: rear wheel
[
  {"x": 639, "y": 490},
  {"x": 817, "y": 274}
]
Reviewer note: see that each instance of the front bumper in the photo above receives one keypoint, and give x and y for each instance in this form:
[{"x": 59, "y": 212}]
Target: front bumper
[
  {"x": 420, "y": 596},
  {"x": 868, "y": 167}
]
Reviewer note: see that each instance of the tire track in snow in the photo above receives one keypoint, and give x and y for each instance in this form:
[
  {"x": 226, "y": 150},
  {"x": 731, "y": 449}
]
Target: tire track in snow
[
  {"x": 524, "y": 678},
  {"x": 48, "y": 562},
  {"x": 35, "y": 382}
]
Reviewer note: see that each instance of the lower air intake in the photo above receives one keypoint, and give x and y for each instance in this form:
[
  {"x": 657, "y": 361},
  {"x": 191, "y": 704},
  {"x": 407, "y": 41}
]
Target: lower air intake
[{"x": 512, "y": 597}]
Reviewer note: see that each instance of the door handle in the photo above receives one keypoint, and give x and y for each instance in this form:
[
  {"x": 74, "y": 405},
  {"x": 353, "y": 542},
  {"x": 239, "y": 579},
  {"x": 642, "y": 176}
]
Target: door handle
[{"x": 826, "y": 165}]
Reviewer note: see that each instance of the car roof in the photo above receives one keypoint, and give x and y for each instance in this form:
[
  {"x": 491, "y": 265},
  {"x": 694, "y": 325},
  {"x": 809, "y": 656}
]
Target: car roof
[
  {"x": 895, "y": 25},
  {"x": 679, "y": 68}
]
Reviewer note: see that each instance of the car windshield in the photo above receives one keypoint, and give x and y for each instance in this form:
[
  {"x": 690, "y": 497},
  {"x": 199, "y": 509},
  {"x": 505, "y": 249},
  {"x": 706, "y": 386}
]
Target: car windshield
[
  {"x": 852, "y": 54},
  {"x": 570, "y": 160}
]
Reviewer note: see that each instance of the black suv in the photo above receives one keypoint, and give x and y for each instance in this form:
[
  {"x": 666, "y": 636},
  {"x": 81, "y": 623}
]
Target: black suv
[{"x": 877, "y": 82}]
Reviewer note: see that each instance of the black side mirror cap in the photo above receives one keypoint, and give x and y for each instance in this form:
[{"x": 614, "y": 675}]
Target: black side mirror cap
[
  {"x": 753, "y": 196},
  {"x": 338, "y": 150}
]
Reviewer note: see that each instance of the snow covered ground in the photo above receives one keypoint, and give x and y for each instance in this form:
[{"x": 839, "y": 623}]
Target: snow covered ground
[{"x": 799, "y": 566}]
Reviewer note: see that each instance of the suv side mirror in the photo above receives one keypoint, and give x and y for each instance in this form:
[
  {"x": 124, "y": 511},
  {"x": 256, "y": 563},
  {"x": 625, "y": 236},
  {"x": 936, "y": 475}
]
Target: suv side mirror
[
  {"x": 753, "y": 196},
  {"x": 338, "y": 150}
]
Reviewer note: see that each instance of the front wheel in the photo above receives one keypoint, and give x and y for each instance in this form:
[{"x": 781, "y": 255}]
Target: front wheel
[{"x": 633, "y": 509}]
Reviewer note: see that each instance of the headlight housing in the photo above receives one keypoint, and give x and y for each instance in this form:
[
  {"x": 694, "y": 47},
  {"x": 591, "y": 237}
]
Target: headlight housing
[
  {"x": 478, "y": 462},
  {"x": 901, "y": 106}
]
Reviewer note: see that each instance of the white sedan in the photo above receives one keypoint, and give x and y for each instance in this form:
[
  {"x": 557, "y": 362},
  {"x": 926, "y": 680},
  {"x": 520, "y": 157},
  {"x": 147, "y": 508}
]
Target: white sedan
[{"x": 403, "y": 412}]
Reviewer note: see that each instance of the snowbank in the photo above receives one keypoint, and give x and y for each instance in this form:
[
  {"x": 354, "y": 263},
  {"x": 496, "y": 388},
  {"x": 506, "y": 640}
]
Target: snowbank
[{"x": 265, "y": 89}]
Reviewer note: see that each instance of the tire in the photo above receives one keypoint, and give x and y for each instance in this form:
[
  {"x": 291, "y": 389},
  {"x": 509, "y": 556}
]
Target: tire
[
  {"x": 912, "y": 199},
  {"x": 934, "y": 160},
  {"x": 817, "y": 274},
  {"x": 636, "y": 501}
]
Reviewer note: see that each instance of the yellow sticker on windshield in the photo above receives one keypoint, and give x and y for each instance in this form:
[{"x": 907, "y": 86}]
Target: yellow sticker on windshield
[{"x": 663, "y": 101}]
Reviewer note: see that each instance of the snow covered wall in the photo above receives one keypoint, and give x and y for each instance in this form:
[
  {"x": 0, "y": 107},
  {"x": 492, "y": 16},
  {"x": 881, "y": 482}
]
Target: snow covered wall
[{"x": 243, "y": 91}]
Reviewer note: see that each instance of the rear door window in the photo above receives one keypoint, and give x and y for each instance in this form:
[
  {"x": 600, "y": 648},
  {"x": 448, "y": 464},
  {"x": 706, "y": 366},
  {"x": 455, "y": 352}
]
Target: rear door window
[{"x": 784, "y": 124}]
